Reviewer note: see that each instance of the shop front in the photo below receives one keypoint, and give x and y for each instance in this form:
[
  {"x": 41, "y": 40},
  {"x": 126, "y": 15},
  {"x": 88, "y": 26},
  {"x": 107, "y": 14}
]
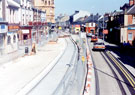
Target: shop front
[
  {"x": 12, "y": 38},
  {"x": 131, "y": 35},
  {"x": 25, "y": 36},
  {"x": 3, "y": 35}
]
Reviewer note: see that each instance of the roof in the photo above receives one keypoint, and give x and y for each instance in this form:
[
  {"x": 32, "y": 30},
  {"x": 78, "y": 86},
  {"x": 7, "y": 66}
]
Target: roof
[
  {"x": 117, "y": 13},
  {"x": 13, "y": 3},
  {"x": 131, "y": 10},
  {"x": 125, "y": 6},
  {"x": 92, "y": 18},
  {"x": 132, "y": 25}
]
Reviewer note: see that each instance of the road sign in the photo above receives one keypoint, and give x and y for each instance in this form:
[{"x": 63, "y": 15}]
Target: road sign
[
  {"x": 105, "y": 31},
  {"x": 60, "y": 28},
  {"x": 83, "y": 58}
]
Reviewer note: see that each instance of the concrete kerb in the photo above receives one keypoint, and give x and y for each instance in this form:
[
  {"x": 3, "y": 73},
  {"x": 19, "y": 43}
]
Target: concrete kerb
[{"x": 35, "y": 81}]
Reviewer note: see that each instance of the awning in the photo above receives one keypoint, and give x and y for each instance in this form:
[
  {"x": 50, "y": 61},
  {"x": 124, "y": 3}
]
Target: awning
[{"x": 13, "y": 3}]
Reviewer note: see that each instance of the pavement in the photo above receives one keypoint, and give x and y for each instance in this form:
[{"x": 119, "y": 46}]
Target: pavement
[{"x": 16, "y": 74}]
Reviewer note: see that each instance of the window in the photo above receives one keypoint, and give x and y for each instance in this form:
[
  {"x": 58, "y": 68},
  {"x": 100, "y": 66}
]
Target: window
[
  {"x": 49, "y": 2},
  {"x": 133, "y": 19},
  {"x": 92, "y": 24},
  {"x": 9, "y": 40},
  {"x": 14, "y": 39},
  {"x": 130, "y": 36},
  {"x": 52, "y": 2},
  {"x": 45, "y": 2}
]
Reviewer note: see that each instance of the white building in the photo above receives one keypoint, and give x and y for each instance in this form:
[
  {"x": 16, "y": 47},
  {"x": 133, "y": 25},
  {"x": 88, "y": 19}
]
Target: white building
[
  {"x": 0, "y": 9},
  {"x": 11, "y": 15},
  {"x": 25, "y": 16},
  {"x": 26, "y": 12}
]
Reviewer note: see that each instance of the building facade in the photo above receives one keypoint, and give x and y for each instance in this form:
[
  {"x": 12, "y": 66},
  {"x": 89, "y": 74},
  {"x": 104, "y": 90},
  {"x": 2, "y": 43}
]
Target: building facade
[
  {"x": 0, "y": 9},
  {"x": 128, "y": 30},
  {"x": 48, "y": 7},
  {"x": 12, "y": 17}
]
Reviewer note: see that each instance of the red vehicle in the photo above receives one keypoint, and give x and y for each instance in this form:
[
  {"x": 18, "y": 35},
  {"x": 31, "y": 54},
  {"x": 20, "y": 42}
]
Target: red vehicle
[{"x": 94, "y": 39}]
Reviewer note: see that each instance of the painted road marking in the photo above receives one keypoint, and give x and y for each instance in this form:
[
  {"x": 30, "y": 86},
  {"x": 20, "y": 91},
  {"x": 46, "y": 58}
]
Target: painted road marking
[{"x": 132, "y": 82}]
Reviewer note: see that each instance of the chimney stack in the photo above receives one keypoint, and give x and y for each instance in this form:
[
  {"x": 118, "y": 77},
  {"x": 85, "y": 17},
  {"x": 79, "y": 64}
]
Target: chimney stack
[{"x": 131, "y": 2}]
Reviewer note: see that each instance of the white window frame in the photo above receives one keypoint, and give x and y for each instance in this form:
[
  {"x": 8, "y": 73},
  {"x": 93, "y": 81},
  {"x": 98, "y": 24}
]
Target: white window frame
[
  {"x": 130, "y": 36},
  {"x": 133, "y": 19}
]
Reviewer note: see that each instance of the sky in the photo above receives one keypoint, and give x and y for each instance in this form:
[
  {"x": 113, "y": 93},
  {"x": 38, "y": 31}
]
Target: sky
[{"x": 93, "y": 6}]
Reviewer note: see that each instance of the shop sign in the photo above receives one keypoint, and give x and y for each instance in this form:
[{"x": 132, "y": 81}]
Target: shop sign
[
  {"x": 131, "y": 28},
  {"x": 105, "y": 31},
  {"x": 13, "y": 27},
  {"x": 25, "y": 31},
  {"x": 3, "y": 28},
  {"x": 77, "y": 25}
]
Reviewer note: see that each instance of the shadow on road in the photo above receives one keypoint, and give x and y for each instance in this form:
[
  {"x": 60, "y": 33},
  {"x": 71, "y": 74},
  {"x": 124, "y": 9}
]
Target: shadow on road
[{"x": 126, "y": 54}]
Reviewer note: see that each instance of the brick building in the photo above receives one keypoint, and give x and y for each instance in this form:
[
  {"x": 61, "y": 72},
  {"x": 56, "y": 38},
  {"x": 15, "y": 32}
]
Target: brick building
[
  {"x": 48, "y": 7},
  {"x": 128, "y": 31}
]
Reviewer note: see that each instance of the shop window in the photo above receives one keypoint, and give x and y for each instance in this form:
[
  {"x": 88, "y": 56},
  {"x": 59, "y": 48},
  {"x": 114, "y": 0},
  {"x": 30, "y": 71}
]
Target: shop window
[
  {"x": 25, "y": 37},
  {"x": 14, "y": 39},
  {"x": 92, "y": 31},
  {"x": 1, "y": 40},
  {"x": 9, "y": 40}
]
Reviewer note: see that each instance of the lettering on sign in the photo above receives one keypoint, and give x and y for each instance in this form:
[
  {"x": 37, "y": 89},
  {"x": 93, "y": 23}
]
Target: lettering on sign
[{"x": 13, "y": 27}]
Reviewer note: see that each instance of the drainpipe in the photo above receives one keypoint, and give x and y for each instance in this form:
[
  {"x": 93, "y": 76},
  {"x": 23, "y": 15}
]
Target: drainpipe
[{"x": 4, "y": 9}]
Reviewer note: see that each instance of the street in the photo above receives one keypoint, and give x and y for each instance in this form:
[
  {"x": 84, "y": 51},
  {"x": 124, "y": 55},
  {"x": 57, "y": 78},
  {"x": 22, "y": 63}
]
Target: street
[
  {"x": 108, "y": 76},
  {"x": 67, "y": 47}
]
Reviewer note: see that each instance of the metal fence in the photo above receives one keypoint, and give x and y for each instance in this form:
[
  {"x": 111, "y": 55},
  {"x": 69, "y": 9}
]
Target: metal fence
[
  {"x": 22, "y": 45},
  {"x": 74, "y": 80}
]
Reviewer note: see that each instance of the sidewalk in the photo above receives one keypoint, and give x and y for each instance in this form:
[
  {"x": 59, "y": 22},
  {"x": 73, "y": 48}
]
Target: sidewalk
[{"x": 15, "y": 75}]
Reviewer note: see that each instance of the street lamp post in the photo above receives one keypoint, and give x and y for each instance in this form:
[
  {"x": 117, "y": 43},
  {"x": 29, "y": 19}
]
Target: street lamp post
[{"x": 103, "y": 28}]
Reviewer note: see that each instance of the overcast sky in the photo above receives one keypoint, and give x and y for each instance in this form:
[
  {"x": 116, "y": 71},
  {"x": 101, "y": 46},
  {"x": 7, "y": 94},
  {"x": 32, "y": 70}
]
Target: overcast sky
[{"x": 93, "y": 6}]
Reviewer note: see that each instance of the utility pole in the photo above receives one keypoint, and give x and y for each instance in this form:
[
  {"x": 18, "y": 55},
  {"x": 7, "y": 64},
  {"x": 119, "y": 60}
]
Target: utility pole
[
  {"x": 37, "y": 26},
  {"x": 103, "y": 29}
]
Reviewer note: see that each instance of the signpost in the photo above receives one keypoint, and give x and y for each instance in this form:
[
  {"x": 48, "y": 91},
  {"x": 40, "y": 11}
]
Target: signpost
[{"x": 83, "y": 59}]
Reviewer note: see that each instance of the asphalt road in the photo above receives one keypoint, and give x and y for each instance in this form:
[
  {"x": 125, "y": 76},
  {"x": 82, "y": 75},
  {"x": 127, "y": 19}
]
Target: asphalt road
[{"x": 109, "y": 79}]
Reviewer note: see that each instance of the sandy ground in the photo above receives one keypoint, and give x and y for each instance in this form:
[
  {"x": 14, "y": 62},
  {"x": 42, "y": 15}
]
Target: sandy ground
[{"x": 16, "y": 74}]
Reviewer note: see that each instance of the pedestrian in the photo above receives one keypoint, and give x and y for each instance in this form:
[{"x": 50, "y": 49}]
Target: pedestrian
[
  {"x": 124, "y": 44},
  {"x": 128, "y": 44},
  {"x": 34, "y": 48}
]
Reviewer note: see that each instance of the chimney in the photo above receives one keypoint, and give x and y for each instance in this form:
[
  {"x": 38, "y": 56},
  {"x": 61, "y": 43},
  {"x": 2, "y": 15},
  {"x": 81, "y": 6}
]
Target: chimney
[{"x": 131, "y": 2}]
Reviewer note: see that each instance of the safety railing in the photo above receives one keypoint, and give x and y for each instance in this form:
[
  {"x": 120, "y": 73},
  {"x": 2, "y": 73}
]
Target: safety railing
[{"x": 74, "y": 79}]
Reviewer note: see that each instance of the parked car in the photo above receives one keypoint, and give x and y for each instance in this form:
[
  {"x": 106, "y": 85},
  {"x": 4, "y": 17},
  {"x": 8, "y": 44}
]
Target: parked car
[
  {"x": 94, "y": 39},
  {"x": 89, "y": 34},
  {"x": 99, "y": 46}
]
